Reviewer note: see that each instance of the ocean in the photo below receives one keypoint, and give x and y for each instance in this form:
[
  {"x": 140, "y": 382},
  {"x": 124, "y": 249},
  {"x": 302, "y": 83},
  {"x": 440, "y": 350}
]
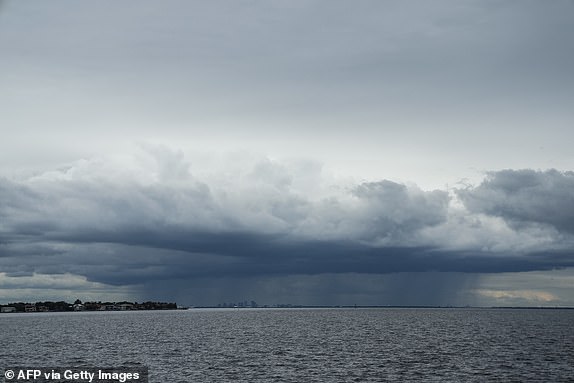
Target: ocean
[{"x": 302, "y": 345}]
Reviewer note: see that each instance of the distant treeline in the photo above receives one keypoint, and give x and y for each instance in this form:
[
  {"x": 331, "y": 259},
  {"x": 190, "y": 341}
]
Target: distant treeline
[{"x": 60, "y": 306}]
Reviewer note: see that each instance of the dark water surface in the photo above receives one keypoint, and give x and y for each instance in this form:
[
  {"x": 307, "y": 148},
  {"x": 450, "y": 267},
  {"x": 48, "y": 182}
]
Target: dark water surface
[{"x": 302, "y": 345}]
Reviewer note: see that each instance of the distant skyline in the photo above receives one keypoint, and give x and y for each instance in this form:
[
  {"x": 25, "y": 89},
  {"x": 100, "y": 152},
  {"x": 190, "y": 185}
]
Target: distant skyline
[{"x": 313, "y": 152}]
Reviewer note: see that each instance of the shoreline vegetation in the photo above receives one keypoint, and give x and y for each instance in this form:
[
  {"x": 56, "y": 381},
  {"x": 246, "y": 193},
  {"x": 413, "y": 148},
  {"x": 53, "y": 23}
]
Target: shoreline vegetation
[{"x": 61, "y": 306}]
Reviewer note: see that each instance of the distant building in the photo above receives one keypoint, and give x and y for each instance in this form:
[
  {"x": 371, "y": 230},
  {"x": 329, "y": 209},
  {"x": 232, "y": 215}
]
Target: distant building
[
  {"x": 30, "y": 308},
  {"x": 79, "y": 307},
  {"x": 8, "y": 309}
]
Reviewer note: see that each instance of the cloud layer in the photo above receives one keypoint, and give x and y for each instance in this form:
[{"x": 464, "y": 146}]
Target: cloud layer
[
  {"x": 524, "y": 197},
  {"x": 130, "y": 221}
]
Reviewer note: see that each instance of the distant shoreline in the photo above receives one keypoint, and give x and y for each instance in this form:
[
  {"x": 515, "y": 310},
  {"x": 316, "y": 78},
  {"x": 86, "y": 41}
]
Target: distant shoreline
[
  {"x": 62, "y": 306},
  {"x": 40, "y": 307},
  {"x": 385, "y": 307}
]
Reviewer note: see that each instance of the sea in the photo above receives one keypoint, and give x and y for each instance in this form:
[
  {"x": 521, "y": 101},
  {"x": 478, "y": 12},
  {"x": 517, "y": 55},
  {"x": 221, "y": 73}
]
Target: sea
[{"x": 302, "y": 345}]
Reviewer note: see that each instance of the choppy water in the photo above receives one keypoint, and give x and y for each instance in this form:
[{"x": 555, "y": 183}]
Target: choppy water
[{"x": 302, "y": 345}]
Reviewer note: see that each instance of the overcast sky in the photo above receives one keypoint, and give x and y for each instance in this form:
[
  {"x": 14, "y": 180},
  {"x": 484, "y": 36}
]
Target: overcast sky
[{"x": 311, "y": 152}]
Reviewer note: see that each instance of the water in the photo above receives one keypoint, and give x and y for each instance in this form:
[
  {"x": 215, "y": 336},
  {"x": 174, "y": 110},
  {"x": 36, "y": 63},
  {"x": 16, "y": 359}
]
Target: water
[{"x": 302, "y": 345}]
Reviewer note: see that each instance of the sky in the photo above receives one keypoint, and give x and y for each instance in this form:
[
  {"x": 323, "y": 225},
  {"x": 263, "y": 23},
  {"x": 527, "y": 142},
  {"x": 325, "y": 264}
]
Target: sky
[{"x": 309, "y": 152}]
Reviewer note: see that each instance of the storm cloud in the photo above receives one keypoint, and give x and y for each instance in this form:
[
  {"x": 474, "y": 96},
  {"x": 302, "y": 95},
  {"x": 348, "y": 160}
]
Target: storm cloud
[
  {"x": 158, "y": 221},
  {"x": 526, "y": 197}
]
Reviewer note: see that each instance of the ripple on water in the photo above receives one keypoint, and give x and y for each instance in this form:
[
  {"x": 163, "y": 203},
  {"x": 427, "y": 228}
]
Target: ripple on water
[{"x": 311, "y": 345}]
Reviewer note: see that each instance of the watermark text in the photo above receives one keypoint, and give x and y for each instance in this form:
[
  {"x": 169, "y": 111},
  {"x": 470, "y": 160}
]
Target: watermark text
[{"x": 76, "y": 374}]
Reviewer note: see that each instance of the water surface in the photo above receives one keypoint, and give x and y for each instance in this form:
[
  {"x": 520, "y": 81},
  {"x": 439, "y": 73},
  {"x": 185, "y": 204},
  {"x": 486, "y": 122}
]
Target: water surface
[{"x": 302, "y": 345}]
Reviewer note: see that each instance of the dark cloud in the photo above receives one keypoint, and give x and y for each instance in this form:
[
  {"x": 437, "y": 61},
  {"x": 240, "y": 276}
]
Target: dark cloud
[
  {"x": 162, "y": 224},
  {"x": 525, "y": 197},
  {"x": 394, "y": 210},
  {"x": 139, "y": 257}
]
